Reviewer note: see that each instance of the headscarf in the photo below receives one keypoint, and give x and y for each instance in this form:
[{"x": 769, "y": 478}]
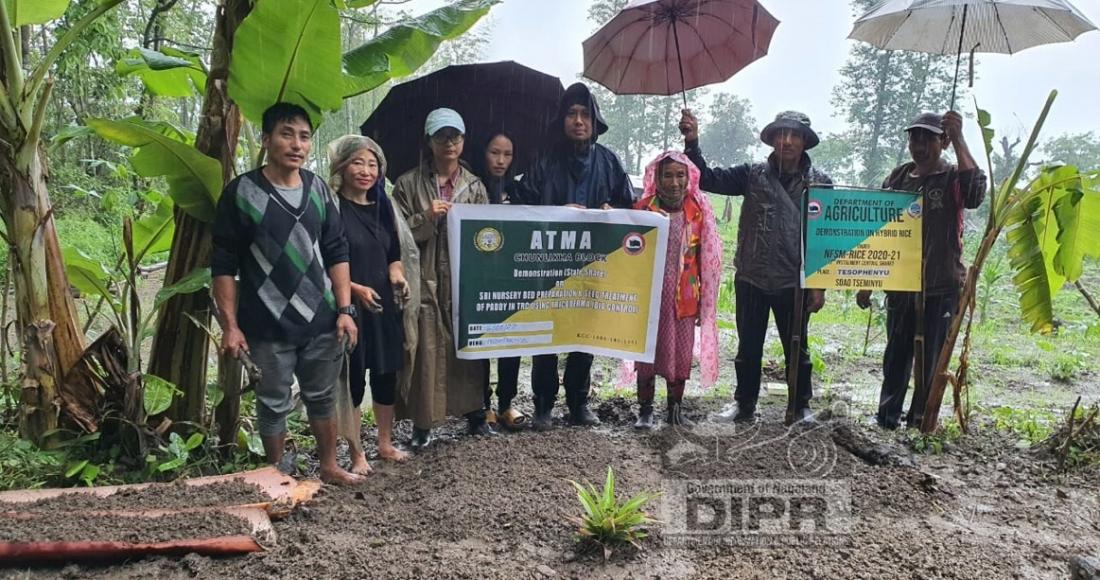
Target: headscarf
[
  {"x": 340, "y": 153},
  {"x": 701, "y": 233}
]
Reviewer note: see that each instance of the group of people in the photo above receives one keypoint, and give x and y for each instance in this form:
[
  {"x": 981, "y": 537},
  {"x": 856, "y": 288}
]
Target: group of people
[{"x": 333, "y": 285}]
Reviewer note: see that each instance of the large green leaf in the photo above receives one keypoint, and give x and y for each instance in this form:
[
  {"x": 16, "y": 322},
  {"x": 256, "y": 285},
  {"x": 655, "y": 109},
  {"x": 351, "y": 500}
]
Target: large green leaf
[
  {"x": 22, "y": 12},
  {"x": 158, "y": 394},
  {"x": 1032, "y": 234},
  {"x": 87, "y": 274},
  {"x": 1078, "y": 216},
  {"x": 401, "y": 50},
  {"x": 68, "y": 134},
  {"x": 170, "y": 73},
  {"x": 153, "y": 233},
  {"x": 287, "y": 50},
  {"x": 194, "y": 281},
  {"x": 194, "y": 179}
]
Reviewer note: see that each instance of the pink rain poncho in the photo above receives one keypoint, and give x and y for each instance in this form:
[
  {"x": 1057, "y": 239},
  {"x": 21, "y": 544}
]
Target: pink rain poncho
[{"x": 701, "y": 233}]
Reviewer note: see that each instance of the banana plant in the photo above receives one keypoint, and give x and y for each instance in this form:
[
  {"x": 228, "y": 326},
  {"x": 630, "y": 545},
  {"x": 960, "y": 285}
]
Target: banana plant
[
  {"x": 44, "y": 306},
  {"x": 1051, "y": 224},
  {"x": 117, "y": 286}
]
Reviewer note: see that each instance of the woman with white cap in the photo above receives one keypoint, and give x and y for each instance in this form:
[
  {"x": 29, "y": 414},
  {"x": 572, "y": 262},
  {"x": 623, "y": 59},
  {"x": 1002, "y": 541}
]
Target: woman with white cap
[{"x": 442, "y": 384}]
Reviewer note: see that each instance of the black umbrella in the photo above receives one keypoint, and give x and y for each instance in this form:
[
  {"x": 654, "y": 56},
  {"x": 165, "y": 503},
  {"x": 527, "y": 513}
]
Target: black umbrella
[{"x": 490, "y": 96}]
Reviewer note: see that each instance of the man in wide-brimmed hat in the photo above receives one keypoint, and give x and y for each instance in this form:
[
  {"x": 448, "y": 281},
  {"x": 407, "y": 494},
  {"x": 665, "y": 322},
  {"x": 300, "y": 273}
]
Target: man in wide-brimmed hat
[
  {"x": 947, "y": 190},
  {"x": 768, "y": 261}
]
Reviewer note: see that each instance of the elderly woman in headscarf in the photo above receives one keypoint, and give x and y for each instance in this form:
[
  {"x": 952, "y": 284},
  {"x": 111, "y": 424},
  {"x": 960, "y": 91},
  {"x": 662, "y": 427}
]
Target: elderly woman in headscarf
[
  {"x": 357, "y": 172},
  {"x": 442, "y": 384},
  {"x": 693, "y": 268}
]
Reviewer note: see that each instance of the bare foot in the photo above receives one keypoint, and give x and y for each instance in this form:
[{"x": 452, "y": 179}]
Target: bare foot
[
  {"x": 359, "y": 465},
  {"x": 391, "y": 453},
  {"x": 338, "y": 476}
]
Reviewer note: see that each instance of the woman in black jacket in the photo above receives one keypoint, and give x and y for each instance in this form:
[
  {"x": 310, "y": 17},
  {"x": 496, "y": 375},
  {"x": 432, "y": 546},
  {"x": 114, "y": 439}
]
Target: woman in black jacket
[{"x": 494, "y": 166}]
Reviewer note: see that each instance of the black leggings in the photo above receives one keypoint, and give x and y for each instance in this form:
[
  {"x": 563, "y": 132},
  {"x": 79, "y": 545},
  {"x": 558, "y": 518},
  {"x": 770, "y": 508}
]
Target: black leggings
[{"x": 383, "y": 388}]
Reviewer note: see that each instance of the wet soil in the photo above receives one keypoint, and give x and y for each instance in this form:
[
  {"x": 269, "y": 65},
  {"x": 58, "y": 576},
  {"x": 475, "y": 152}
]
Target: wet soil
[
  {"x": 83, "y": 527},
  {"x": 177, "y": 495},
  {"x": 500, "y": 507}
]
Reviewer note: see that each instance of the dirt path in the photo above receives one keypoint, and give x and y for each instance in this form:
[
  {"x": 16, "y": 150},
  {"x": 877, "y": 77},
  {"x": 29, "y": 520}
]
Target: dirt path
[{"x": 498, "y": 508}]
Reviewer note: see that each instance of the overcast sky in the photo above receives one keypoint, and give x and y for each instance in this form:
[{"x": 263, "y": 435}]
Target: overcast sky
[{"x": 809, "y": 48}]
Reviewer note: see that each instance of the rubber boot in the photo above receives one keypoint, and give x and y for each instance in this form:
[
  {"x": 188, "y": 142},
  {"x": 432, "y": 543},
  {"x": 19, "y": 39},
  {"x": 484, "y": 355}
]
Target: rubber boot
[
  {"x": 646, "y": 391},
  {"x": 645, "y": 415},
  {"x": 676, "y": 415},
  {"x": 544, "y": 418},
  {"x": 580, "y": 415},
  {"x": 476, "y": 424}
]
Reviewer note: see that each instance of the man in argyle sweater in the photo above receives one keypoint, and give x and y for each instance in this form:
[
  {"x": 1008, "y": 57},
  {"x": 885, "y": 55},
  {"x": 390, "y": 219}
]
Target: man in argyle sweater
[{"x": 278, "y": 231}]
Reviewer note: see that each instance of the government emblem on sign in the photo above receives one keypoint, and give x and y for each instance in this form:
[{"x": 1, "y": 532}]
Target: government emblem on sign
[
  {"x": 915, "y": 209},
  {"x": 488, "y": 240},
  {"x": 634, "y": 244},
  {"x": 813, "y": 209}
]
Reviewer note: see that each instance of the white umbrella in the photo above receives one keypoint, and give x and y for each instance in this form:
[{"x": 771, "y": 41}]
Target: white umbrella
[{"x": 949, "y": 26}]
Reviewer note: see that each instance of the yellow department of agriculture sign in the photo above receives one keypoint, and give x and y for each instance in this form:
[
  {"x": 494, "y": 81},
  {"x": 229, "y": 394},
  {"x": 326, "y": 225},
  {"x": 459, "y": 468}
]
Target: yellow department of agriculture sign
[{"x": 858, "y": 239}]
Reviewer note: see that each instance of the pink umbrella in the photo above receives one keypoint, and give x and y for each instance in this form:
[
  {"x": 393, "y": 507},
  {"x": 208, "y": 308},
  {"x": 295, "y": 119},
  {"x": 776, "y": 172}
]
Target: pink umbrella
[{"x": 664, "y": 47}]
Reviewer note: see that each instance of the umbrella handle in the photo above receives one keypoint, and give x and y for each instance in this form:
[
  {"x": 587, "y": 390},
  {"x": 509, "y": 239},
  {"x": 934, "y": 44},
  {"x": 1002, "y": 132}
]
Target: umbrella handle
[
  {"x": 680, "y": 62},
  {"x": 958, "y": 57}
]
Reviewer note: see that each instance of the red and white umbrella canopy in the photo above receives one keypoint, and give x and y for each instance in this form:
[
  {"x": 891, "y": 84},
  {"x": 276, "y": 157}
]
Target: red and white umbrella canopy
[{"x": 664, "y": 47}]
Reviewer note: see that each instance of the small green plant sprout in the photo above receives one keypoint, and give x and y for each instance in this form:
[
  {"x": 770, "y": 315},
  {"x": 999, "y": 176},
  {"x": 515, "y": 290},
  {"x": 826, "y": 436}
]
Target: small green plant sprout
[{"x": 608, "y": 524}]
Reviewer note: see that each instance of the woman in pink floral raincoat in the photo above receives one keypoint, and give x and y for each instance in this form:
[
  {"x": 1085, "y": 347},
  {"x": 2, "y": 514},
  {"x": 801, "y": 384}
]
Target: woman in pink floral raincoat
[{"x": 693, "y": 268}]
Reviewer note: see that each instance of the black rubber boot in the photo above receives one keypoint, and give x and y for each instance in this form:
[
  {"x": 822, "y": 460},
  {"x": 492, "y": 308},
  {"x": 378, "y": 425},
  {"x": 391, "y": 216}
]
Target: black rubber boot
[
  {"x": 544, "y": 417},
  {"x": 421, "y": 438},
  {"x": 676, "y": 414},
  {"x": 476, "y": 424},
  {"x": 581, "y": 416},
  {"x": 645, "y": 415}
]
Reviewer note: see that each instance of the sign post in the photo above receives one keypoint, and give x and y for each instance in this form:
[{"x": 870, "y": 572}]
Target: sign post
[
  {"x": 531, "y": 280},
  {"x": 866, "y": 239}
]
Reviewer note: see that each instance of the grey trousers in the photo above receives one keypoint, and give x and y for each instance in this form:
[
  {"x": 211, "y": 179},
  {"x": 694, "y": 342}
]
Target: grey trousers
[{"x": 316, "y": 364}]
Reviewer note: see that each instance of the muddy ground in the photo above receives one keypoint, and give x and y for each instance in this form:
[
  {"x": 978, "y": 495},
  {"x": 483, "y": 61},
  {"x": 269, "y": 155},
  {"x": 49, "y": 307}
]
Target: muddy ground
[
  {"x": 178, "y": 496},
  {"x": 499, "y": 507},
  {"x": 49, "y": 527}
]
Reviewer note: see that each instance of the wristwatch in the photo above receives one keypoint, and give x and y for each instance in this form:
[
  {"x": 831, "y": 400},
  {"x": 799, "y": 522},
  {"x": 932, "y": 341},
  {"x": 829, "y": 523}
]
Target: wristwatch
[{"x": 349, "y": 310}]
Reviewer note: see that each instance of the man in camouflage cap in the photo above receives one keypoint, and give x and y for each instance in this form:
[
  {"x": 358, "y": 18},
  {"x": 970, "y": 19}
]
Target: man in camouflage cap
[{"x": 768, "y": 263}]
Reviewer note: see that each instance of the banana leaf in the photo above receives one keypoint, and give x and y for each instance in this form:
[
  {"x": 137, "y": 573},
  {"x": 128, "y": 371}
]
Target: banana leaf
[
  {"x": 1078, "y": 217},
  {"x": 194, "y": 179},
  {"x": 169, "y": 73},
  {"x": 287, "y": 50},
  {"x": 23, "y": 12},
  {"x": 401, "y": 50}
]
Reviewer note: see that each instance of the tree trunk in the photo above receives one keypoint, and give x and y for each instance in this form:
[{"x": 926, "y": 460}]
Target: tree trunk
[
  {"x": 45, "y": 311},
  {"x": 180, "y": 346}
]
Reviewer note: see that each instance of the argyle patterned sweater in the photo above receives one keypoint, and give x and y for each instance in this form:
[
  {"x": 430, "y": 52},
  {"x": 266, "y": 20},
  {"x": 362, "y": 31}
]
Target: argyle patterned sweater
[{"x": 282, "y": 255}]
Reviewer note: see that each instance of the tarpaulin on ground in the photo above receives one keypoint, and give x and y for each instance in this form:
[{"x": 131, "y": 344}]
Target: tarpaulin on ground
[
  {"x": 539, "y": 280},
  {"x": 861, "y": 239}
]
